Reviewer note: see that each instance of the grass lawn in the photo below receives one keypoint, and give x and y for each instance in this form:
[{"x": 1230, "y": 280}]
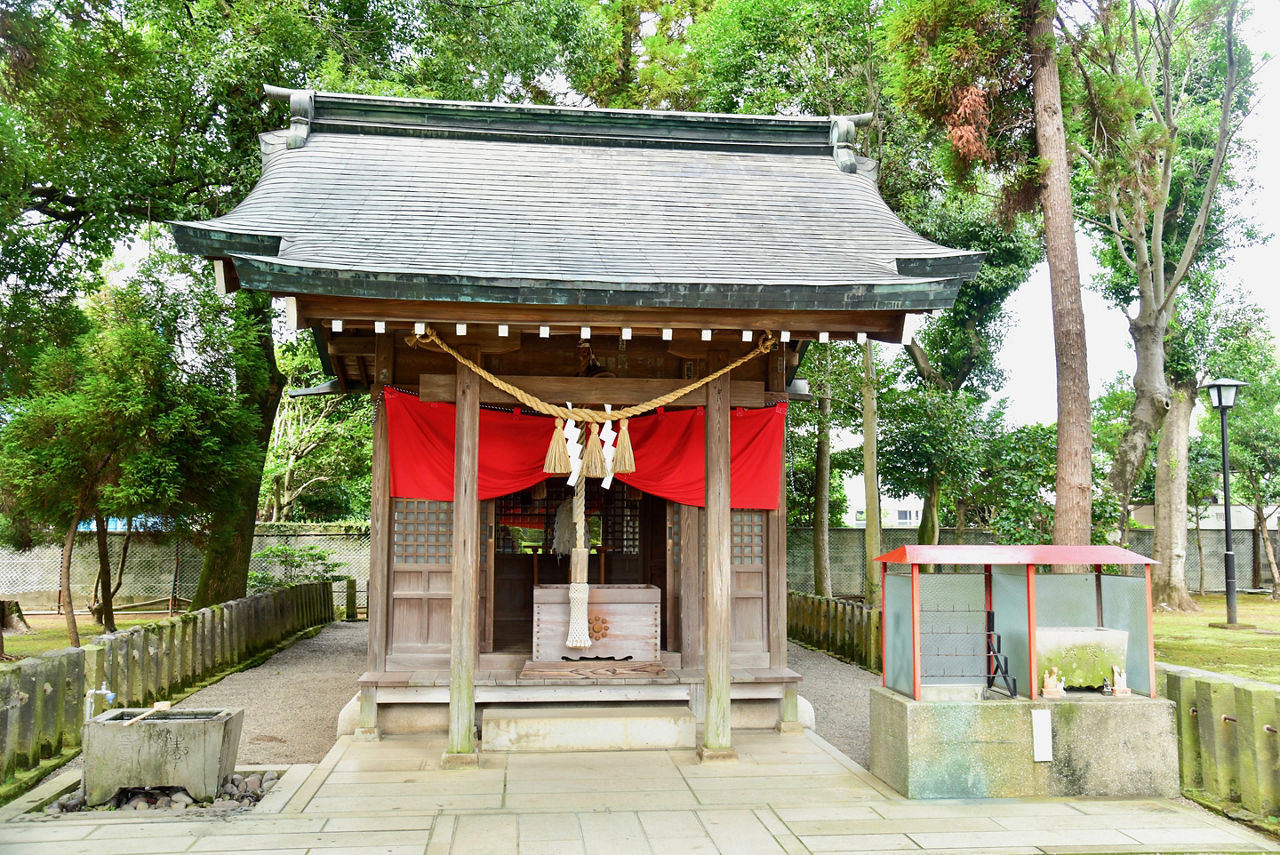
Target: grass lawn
[
  {"x": 1187, "y": 639},
  {"x": 49, "y": 632}
]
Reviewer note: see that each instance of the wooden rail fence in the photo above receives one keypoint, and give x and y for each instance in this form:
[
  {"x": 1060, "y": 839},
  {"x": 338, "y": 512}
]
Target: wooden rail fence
[
  {"x": 44, "y": 700},
  {"x": 844, "y": 628}
]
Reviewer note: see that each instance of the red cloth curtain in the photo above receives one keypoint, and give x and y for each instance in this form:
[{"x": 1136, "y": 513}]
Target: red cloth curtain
[{"x": 670, "y": 452}]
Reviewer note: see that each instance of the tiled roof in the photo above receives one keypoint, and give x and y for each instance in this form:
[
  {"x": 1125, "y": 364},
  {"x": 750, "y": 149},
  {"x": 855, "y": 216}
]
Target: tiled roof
[{"x": 396, "y": 198}]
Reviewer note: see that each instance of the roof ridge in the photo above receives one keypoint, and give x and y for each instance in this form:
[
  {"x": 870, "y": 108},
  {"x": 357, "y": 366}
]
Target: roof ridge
[{"x": 382, "y": 114}]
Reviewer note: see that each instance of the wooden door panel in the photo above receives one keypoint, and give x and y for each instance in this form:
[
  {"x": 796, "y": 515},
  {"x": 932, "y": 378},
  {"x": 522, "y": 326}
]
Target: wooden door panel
[
  {"x": 421, "y": 571},
  {"x": 748, "y": 551}
]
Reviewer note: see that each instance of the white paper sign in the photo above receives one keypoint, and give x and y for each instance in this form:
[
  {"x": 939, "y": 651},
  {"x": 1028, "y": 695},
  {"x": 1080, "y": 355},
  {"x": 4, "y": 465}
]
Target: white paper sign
[{"x": 1041, "y": 736}]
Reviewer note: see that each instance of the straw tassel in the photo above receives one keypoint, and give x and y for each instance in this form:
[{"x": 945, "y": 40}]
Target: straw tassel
[
  {"x": 624, "y": 460},
  {"x": 593, "y": 465},
  {"x": 557, "y": 462}
]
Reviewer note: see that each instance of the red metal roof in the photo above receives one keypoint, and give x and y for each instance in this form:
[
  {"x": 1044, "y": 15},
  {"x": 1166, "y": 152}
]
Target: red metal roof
[{"x": 1010, "y": 554}]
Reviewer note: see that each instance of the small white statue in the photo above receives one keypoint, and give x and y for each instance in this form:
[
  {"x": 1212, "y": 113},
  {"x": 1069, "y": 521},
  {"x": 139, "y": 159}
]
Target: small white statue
[
  {"x": 1053, "y": 684},
  {"x": 1120, "y": 681}
]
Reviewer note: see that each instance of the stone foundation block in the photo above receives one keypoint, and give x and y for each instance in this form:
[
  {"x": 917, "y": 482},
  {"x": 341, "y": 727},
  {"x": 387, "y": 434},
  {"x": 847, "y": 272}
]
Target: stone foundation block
[
  {"x": 1115, "y": 747},
  {"x": 625, "y": 727}
]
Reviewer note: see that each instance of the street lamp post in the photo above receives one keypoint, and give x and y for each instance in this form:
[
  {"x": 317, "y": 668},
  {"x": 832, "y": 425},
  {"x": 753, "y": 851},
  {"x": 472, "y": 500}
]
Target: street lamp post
[{"x": 1222, "y": 396}]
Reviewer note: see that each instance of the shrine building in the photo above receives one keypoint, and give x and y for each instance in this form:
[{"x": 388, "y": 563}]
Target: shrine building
[{"x": 579, "y": 327}]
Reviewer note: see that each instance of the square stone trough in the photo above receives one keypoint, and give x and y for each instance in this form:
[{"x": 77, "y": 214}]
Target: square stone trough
[
  {"x": 1095, "y": 745},
  {"x": 194, "y": 749}
]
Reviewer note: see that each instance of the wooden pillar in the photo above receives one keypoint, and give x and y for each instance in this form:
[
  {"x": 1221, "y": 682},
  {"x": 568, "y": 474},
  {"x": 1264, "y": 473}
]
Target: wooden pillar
[
  {"x": 776, "y": 573},
  {"x": 717, "y": 739},
  {"x": 692, "y": 637},
  {"x": 380, "y": 525},
  {"x": 464, "y": 612}
]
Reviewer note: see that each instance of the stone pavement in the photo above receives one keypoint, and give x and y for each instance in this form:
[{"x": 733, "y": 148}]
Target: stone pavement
[{"x": 788, "y": 793}]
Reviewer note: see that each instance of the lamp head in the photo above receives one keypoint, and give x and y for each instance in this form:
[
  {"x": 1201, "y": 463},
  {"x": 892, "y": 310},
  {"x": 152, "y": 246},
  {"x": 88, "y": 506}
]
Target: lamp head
[{"x": 1222, "y": 392}]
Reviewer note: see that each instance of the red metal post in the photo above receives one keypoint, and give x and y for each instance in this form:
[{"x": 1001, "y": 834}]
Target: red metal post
[
  {"x": 915, "y": 630},
  {"x": 986, "y": 598},
  {"x": 1031, "y": 630},
  {"x": 884, "y": 569}
]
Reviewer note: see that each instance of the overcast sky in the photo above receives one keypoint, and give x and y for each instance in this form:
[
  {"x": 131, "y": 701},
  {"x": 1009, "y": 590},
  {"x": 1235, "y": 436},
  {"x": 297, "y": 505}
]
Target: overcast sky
[{"x": 1027, "y": 357}]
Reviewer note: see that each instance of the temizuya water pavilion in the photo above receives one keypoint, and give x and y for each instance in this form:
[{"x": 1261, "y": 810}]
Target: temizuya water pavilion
[{"x": 498, "y": 276}]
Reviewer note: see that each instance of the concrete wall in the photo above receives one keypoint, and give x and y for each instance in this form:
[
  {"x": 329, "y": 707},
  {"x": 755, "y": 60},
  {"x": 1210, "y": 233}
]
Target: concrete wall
[
  {"x": 42, "y": 698},
  {"x": 1101, "y": 746},
  {"x": 1228, "y": 731},
  {"x": 842, "y": 627}
]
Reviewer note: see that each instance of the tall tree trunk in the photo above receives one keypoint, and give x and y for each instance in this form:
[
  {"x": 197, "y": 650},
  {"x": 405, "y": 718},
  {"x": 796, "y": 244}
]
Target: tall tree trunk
[
  {"x": 1072, "y": 521},
  {"x": 1200, "y": 549},
  {"x": 870, "y": 476},
  {"x": 1258, "y": 522},
  {"x": 822, "y": 501},
  {"x": 225, "y": 571},
  {"x": 1271, "y": 561},
  {"x": 1150, "y": 407},
  {"x": 1169, "y": 575},
  {"x": 68, "y": 607},
  {"x": 105, "y": 612},
  {"x": 1259, "y": 535},
  {"x": 124, "y": 556},
  {"x": 928, "y": 531}
]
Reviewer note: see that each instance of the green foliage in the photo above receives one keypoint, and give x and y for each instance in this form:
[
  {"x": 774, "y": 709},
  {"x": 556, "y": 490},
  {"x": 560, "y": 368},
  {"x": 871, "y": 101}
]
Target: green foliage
[
  {"x": 776, "y": 56},
  {"x": 832, "y": 370},
  {"x": 928, "y": 435},
  {"x": 289, "y": 565},
  {"x": 128, "y": 420},
  {"x": 319, "y": 462},
  {"x": 964, "y": 65}
]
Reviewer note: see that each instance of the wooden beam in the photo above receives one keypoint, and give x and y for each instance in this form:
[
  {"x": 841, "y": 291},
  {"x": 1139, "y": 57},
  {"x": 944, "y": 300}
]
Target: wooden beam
[
  {"x": 400, "y": 315},
  {"x": 717, "y": 741},
  {"x": 384, "y": 360},
  {"x": 619, "y": 391},
  {"x": 466, "y": 562}
]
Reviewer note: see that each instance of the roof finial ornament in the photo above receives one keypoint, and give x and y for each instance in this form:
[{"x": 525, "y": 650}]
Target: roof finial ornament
[
  {"x": 302, "y": 109},
  {"x": 842, "y": 136}
]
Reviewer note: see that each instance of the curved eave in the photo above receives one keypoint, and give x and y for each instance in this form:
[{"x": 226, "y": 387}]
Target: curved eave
[
  {"x": 279, "y": 277},
  {"x": 195, "y": 238}
]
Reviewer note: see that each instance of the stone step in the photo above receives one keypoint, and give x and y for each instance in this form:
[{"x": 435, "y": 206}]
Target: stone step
[{"x": 586, "y": 727}]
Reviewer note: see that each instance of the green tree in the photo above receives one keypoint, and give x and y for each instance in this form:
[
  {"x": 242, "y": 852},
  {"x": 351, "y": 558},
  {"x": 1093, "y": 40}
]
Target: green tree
[
  {"x": 930, "y": 443},
  {"x": 1158, "y": 93},
  {"x": 1205, "y": 329},
  {"x": 111, "y": 426},
  {"x": 321, "y": 449},
  {"x": 987, "y": 72}
]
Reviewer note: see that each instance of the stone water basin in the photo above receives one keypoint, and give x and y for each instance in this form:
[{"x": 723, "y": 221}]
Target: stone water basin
[
  {"x": 1083, "y": 655},
  {"x": 194, "y": 749}
]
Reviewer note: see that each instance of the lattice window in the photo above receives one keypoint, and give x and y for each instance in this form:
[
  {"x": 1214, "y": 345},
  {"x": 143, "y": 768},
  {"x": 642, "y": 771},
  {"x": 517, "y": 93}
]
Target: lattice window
[
  {"x": 621, "y": 522},
  {"x": 675, "y": 533},
  {"x": 747, "y": 537},
  {"x": 422, "y": 532}
]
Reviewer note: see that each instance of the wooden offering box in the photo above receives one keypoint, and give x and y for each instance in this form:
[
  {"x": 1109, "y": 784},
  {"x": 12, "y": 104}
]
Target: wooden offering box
[{"x": 623, "y": 621}]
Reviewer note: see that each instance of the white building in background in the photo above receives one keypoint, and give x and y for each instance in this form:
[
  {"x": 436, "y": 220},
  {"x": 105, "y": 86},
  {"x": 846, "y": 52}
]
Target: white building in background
[
  {"x": 1214, "y": 517},
  {"x": 894, "y": 513}
]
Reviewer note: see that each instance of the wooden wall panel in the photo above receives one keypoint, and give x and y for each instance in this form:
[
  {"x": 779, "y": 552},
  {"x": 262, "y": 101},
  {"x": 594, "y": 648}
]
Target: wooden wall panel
[{"x": 749, "y": 552}]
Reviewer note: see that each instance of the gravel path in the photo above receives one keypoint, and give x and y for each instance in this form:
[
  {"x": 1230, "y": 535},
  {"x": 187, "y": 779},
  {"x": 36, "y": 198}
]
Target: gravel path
[
  {"x": 840, "y": 696},
  {"x": 291, "y": 701}
]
